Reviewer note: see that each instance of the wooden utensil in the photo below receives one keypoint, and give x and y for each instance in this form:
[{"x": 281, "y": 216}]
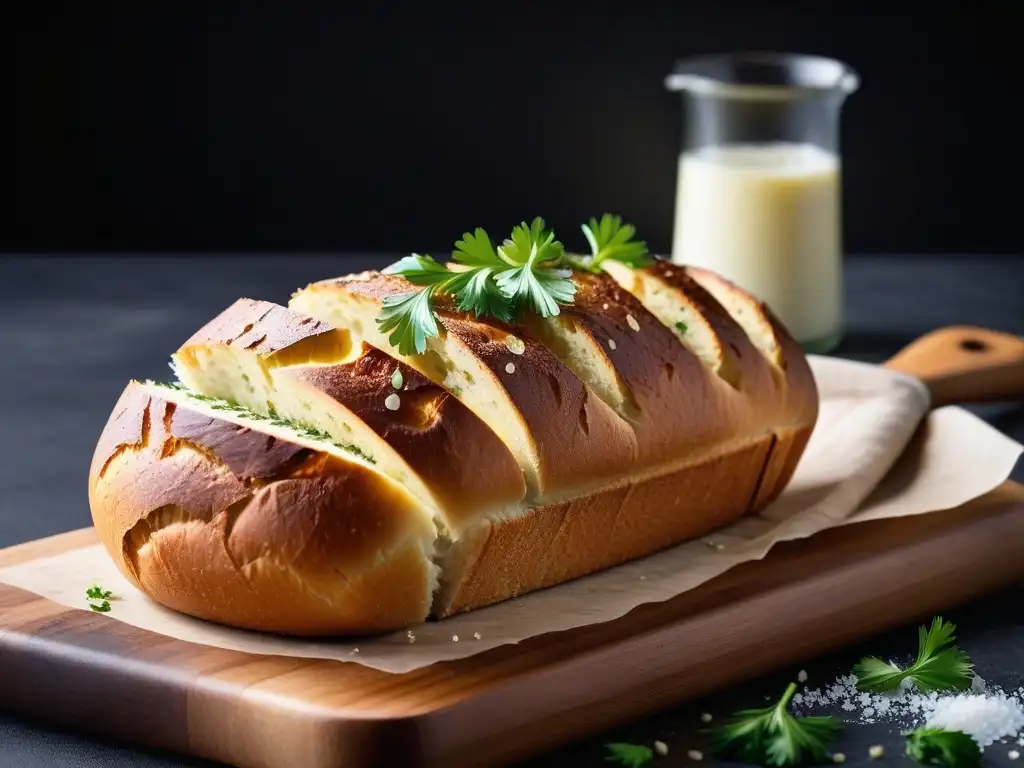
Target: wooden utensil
[
  {"x": 89, "y": 673},
  {"x": 965, "y": 364}
]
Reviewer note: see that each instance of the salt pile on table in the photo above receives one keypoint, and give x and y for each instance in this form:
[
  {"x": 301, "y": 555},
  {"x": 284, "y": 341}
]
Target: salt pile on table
[
  {"x": 985, "y": 718},
  {"x": 985, "y": 713}
]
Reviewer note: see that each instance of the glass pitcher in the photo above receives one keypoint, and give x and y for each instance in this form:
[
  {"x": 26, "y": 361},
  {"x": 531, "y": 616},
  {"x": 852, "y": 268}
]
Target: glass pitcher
[{"x": 758, "y": 192}]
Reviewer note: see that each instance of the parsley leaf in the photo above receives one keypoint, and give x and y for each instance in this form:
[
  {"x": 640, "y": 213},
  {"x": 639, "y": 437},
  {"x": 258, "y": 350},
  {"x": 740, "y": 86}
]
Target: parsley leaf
[
  {"x": 531, "y": 247},
  {"x": 938, "y": 667},
  {"x": 629, "y": 755},
  {"x": 532, "y": 244},
  {"x": 419, "y": 270},
  {"x": 409, "y": 318},
  {"x": 482, "y": 295},
  {"x": 773, "y": 737},
  {"x": 609, "y": 238},
  {"x": 935, "y": 746},
  {"x": 476, "y": 250}
]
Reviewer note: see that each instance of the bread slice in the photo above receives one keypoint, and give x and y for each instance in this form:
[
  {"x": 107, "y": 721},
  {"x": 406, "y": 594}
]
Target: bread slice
[
  {"x": 754, "y": 353},
  {"x": 789, "y": 368},
  {"x": 229, "y": 517},
  {"x": 566, "y": 439},
  {"x": 671, "y": 393},
  {"x": 766, "y": 332},
  {"x": 281, "y": 363}
]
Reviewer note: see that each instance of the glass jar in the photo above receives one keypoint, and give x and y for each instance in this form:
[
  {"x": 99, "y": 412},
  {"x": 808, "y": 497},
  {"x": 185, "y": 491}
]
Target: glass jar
[{"x": 758, "y": 193}]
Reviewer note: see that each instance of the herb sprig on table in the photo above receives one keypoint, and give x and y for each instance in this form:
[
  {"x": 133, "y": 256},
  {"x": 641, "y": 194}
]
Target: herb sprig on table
[
  {"x": 940, "y": 666},
  {"x": 771, "y": 736},
  {"x": 529, "y": 271},
  {"x": 629, "y": 755},
  {"x": 935, "y": 746}
]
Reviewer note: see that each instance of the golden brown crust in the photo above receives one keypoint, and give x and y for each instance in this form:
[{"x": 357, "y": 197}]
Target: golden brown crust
[
  {"x": 580, "y": 440},
  {"x": 558, "y": 542},
  {"x": 274, "y": 333},
  {"x": 764, "y": 330},
  {"x": 772, "y": 368},
  {"x": 293, "y": 540},
  {"x": 678, "y": 404},
  {"x": 787, "y": 449},
  {"x": 444, "y": 442}
]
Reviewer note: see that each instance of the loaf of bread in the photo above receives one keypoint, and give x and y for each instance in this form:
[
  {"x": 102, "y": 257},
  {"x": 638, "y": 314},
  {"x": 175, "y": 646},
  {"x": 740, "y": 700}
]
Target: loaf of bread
[{"x": 302, "y": 476}]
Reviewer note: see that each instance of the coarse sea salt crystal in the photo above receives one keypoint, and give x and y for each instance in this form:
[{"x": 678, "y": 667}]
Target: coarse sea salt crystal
[
  {"x": 985, "y": 718},
  {"x": 515, "y": 345}
]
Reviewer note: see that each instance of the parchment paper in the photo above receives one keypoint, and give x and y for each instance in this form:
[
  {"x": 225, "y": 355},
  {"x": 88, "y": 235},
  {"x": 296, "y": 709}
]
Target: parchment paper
[{"x": 868, "y": 416}]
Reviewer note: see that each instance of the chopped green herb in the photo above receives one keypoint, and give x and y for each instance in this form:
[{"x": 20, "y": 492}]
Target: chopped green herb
[
  {"x": 773, "y": 737},
  {"x": 303, "y": 430},
  {"x": 939, "y": 665},
  {"x": 99, "y": 598},
  {"x": 98, "y": 593},
  {"x": 681, "y": 327},
  {"x": 629, "y": 755},
  {"x": 935, "y": 746}
]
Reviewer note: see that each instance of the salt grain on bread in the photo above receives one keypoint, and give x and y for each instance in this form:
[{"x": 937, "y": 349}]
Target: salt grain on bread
[{"x": 579, "y": 461}]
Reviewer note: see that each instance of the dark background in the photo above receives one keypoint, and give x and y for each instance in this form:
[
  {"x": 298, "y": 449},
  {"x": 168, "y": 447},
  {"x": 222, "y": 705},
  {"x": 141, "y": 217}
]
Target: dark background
[{"x": 234, "y": 127}]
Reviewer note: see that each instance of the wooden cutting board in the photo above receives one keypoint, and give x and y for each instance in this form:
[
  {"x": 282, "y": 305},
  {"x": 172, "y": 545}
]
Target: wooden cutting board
[{"x": 85, "y": 672}]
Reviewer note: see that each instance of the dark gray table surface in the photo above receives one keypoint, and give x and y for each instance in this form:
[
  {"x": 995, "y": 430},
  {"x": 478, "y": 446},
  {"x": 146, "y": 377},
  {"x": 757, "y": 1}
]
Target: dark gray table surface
[{"x": 74, "y": 330}]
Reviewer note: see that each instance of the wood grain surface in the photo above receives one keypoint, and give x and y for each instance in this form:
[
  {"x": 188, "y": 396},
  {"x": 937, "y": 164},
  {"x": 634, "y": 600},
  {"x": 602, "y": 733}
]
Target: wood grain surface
[{"x": 90, "y": 673}]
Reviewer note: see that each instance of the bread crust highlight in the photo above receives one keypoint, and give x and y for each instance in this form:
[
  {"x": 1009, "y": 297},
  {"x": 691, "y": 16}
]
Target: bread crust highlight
[{"x": 225, "y": 523}]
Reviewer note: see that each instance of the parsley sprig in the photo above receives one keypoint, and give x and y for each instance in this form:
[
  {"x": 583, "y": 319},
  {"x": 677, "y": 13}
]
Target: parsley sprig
[
  {"x": 529, "y": 270},
  {"x": 609, "y": 238},
  {"x": 939, "y": 666},
  {"x": 773, "y": 737},
  {"x": 629, "y": 755},
  {"x": 99, "y": 598},
  {"x": 935, "y": 746}
]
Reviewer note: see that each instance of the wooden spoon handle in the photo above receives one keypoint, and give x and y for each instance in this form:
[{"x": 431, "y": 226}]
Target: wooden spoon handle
[{"x": 964, "y": 364}]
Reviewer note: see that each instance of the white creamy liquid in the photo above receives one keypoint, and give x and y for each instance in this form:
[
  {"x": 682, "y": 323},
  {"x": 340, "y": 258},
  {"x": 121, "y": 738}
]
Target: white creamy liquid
[{"x": 767, "y": 218}]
